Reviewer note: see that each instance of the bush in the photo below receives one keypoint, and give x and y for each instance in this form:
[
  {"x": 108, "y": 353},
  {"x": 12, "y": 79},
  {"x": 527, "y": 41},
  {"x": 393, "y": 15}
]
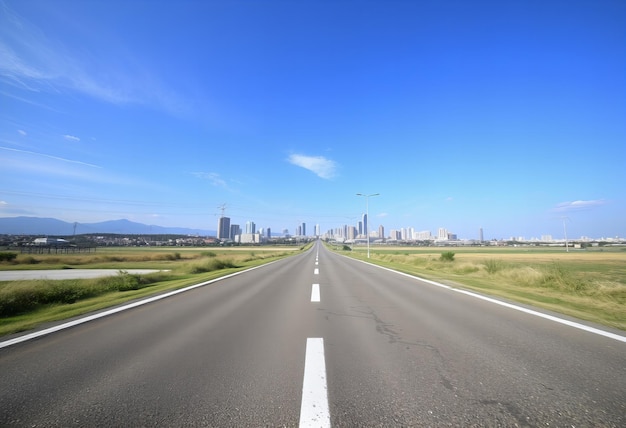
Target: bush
[
  {"x": 347, "y": 248},
  {"x": 172, "y": 257},
  {"x": 7, "y": 256},
  {"x": 447, "y": 256},
  {"x": 213, "y": 265}
]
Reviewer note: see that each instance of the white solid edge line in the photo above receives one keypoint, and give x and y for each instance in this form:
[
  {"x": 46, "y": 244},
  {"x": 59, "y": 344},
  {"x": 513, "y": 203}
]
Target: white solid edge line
[
  {"x": 315, "y": 293},
  {"x": 508, "y": 305},
  {"x": 314, "y": 410},
  {"x": 119, "y": 309}
]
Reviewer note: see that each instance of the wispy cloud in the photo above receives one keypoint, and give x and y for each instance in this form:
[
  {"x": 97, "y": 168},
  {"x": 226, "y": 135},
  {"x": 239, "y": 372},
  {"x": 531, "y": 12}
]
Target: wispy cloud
[
  {"x": 30, "y": 60},
  {"x": 565, "y": 207},
  {"x": 21, "y": 132},
  {"x": 319, "y": 165},
  {"x": 49, "y": 156},
  {"x": 213, "y": 177},
  {"x": 71, "y": 138}
]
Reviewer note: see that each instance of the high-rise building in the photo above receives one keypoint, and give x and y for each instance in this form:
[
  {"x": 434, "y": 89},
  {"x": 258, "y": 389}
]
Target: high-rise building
[
  {"x": 381, "y": 232},
  {"x": 303, "y": 229},
  {"x": 250, "y": 227},
  {"x": 223, "y": 228},
  {"x": 234, "y": 231},
  {"x": 442, "y": 234},
  {"x": 480, "y": 233},
  {"x": 351, "y": 232},
  {"x": 365, "y": 229}
]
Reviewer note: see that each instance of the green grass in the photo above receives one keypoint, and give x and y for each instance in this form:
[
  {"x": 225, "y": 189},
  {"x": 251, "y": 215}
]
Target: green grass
[
  {"x": 27, "y": 304},
  {"x": 589, "y": 285}
]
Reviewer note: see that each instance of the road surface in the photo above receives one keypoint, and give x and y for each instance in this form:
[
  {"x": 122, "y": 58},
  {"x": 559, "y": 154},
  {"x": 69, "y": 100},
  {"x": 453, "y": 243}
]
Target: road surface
[{"x": 316, "y": 339}]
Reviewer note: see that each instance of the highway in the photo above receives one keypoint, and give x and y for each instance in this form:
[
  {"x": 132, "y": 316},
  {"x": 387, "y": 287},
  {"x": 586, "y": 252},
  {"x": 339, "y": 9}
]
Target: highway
[{"x": 316, "y": 339}]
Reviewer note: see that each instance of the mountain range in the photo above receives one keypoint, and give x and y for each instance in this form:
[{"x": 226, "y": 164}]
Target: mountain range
[{"x": 55, "y": 227}]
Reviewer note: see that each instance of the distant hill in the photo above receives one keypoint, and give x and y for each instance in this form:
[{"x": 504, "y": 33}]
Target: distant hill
[{"x": 52, "y": 226}]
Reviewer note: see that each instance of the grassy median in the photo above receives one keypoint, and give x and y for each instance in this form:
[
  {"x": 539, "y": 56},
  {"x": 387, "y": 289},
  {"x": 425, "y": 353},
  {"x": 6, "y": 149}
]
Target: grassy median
[
  {"x": 28, "y": 304},
  {"x": 586, "y": 284}
]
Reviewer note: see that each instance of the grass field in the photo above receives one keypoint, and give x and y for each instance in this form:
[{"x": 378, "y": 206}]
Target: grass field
[
  {"x": 587, "y": 284},
  {"x": 28, "y": 304}
]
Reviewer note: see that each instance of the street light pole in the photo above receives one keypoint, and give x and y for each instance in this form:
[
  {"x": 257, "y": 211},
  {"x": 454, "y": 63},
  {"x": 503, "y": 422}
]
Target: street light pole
[{"x": 367, "y": 213}]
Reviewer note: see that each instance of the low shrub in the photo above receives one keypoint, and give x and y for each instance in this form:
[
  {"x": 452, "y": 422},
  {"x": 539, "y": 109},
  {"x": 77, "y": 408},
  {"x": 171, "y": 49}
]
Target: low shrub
[
  {"x": 7, "y": 256},
  {"x": 447, "y": 256},
  {"x": 213, "y": 265}
]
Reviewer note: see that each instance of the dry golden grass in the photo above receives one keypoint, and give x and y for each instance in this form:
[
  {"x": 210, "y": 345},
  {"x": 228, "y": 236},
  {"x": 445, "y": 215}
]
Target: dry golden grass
[{"x": 586, "y": 284}]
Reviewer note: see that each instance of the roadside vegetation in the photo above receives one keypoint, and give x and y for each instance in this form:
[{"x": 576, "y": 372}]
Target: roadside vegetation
[
  {"x": 27, "y": 304},
  {"x": 587, "y": 284}
]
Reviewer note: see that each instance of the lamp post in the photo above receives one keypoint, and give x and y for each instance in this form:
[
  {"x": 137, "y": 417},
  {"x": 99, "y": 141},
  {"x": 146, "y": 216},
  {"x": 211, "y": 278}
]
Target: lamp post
[{"x": 367, "y": 213}]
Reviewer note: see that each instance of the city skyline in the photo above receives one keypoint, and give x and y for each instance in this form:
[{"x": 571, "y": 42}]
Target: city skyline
[
  {"x": 409, "y": 233},
  {"x": 506, "y": 116}
]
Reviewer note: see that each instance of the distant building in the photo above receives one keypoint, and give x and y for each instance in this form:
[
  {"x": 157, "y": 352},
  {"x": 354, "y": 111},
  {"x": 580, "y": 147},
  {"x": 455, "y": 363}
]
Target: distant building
[
  {"x": 365, "y": 229},
  {"x": 56, "y": 242},
  {"x": 223, "y": 228},
  {"x": 250, "y": 238},
  {"x": 442, "y": 234}
]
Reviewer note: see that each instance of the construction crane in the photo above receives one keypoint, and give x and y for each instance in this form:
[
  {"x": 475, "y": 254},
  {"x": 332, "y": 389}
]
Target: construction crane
[{"x": 222, "y": 208}]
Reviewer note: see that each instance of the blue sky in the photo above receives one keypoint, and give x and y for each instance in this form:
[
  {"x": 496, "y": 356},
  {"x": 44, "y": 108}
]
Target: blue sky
[{"x": 505, "y": 115}]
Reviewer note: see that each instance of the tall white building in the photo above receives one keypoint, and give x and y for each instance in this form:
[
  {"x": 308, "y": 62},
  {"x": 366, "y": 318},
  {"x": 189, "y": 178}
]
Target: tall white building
[{"x": 442, "y": 234}]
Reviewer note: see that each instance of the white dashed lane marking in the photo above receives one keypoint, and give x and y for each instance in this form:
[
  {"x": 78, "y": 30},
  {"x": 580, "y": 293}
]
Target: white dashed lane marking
[
  {"x": 314, "y": 410},
  {"x": 315, "y": 293}
]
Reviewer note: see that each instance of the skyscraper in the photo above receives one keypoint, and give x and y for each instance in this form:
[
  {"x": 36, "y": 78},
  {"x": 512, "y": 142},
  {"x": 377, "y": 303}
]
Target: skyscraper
[
  {"x": 234, "y": 231},
  {"x": 365, "y": 229},
  {"x": 223, "y": 228}
]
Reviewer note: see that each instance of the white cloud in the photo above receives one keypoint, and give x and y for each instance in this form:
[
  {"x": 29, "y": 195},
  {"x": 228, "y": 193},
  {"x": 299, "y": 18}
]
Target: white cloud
[
  {"x": 21, "y": 132},
  {"x": 33, "y": 61},
  {"x": 27, "y": 152},
  {"x": 319, "y": 165},
  {"x": 578, "y": 205},
  {"x": 213, "y": 177},
  {"x": 71, "y": 138}
]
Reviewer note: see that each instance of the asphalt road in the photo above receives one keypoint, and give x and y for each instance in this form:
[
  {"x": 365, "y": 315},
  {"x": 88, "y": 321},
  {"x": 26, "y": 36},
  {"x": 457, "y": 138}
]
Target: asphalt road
[{"x": 377, "y": 349}]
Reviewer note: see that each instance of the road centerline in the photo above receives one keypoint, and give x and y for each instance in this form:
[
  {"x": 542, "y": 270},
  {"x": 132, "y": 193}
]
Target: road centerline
[
  {"x": 314, "y": 410},
  {"x": 315, "y": 293}
]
